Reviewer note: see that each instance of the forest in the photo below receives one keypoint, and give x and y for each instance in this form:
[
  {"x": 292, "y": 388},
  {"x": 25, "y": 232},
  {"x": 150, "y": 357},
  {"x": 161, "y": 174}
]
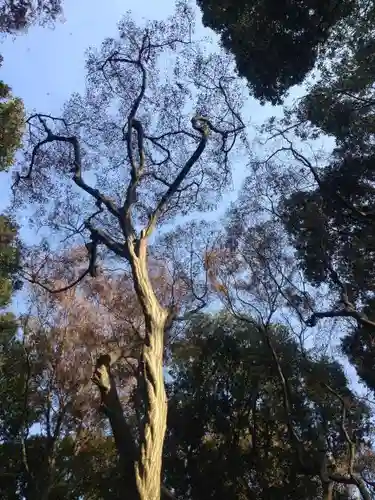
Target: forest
[{"x": 181, "y": 338}]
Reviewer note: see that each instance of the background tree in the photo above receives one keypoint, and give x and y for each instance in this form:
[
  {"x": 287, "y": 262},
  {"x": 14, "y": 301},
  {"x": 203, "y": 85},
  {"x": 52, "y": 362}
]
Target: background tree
[
  {"x": 9, "y": 255},
  {"x": 228, "y": 431},
  {"x": 151, "y": 140},
  {"x": 253, "y": 269},
  {"x": 155, "y": 155},
  {"x": 277, "y": 44},
  {"x": 16, "y": 16},
  {"x": 49, "y": 421},
  {"x": 328, "y": 209},
  {"x": 11, "y": 128}
]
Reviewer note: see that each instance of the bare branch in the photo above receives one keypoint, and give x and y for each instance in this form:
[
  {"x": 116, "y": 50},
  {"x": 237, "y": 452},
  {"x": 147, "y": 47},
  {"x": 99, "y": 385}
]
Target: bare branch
[
  {"x": 91, "y": 270},
  {"x": 364, "y": 216},
  {"x": 77, "y": 167},
  {"x": 342, "y": 313},
  {"x": 354, "y": 478},
  {"x": 203, "y": 129},
  {"x": 100, "y": 237}
]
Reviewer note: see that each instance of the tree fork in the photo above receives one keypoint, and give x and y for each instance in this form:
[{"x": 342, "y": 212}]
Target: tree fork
[{"x": 112, "y": 408}]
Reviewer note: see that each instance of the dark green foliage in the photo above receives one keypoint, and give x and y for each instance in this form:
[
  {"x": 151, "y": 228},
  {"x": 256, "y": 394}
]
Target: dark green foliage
[
  {"x": 340, "y": 104},
  {"x": 275, "y": 43},
  {"x": 9, "y": 256},
  {"x": 11, "y": 126},
  {"x": 334, "y": 227},
  {"x": 16, "y": 16},
  {"x": 327, "y": 225},
  {"x": 90, "y": 472},
  {"x": 73, "y": 461},
  {"x": 228, "y": 434},
  {"x": 333, "y": 224},
  {"x": 8, "y": 323},
  {"x": 359, "y": 346},
  {"x": 12, "y": 358},
  {"x": 15, "y": 413}
]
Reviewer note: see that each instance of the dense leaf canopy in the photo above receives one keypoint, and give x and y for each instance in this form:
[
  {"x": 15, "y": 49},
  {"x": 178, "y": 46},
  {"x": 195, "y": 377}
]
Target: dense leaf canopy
[
  {"x": 228, "y": 427},
  {"x": 275, "y": 43}
]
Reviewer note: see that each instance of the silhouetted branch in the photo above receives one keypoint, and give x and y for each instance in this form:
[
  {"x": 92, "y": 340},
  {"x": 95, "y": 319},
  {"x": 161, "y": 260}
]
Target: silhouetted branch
[
  {"x": 342, "y": 313},
  {"x": 77, "y": 167},
  {"x": 91, "y": 270}
]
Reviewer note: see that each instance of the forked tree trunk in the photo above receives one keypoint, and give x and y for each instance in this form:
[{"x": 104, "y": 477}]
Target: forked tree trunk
[
  {"x": 143, "y": 467},
  {"x": 142, "y": 471}
]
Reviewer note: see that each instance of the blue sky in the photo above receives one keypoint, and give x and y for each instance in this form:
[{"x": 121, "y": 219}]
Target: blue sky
[{"x": 45, "y": 66}]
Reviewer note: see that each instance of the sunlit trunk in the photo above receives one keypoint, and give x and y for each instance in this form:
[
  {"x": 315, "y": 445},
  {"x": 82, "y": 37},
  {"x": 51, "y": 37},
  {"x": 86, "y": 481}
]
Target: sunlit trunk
[{"x": 149, "y": 465}]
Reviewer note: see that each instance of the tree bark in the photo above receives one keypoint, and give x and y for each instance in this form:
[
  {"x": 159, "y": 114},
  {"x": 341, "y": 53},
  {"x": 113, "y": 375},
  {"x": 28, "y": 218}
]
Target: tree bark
[
  {"x": 362, "y": 488},
  {"x": 121, "y": 431},
  {"x": 149, "y": 464},
  {"x": 327, "y": 490}
]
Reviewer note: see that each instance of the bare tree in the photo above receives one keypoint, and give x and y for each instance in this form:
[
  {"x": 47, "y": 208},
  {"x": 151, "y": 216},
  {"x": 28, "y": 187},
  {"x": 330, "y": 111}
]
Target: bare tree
[{"x": 150, "y": 140}]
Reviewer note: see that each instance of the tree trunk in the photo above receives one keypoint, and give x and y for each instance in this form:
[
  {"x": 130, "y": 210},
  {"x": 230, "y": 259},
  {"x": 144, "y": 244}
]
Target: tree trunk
[
  {"x": 327, "y": 490},
  {"x": 365, "y": 494},
  {"x": 47, "y": 481},
  {"x": 121, "y": 431},
  {"x": 149, "y": 464}
]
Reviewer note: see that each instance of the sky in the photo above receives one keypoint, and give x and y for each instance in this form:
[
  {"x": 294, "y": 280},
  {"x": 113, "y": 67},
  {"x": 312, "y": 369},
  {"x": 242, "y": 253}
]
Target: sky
[{"x": 45, "y": 66}]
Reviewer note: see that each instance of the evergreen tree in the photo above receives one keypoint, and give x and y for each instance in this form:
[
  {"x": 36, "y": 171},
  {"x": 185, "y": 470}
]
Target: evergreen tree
[
  {"x": 231, "y": 433},
  {"x": 276, "y": 44}
]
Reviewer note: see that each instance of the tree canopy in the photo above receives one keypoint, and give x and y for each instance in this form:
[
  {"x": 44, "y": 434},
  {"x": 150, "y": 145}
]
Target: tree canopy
[
  {"x": 229, "y": 423},
  {"x": 17, "y": 15},
  {"x": 330, "y": 217},
  {"x": 164, "y": 142},
  {"x": 276, "y": 44}
]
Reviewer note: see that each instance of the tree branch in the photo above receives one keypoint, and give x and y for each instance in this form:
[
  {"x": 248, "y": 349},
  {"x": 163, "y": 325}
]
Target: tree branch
[
  {"x": 133, "y": 124},
  {"x": 91, "y": 270},
  {"x": 343, "y": 313},
  {"x": 111, "y": 406},
  {"x": 367, "y": 217},
  {"x": 121, "y": 430},
  {"x": 352, "y": 478},
  {"x": 203, "y": 129},
  {"x": 102, "y": 238},
  {"x": 77, "y": 167}
]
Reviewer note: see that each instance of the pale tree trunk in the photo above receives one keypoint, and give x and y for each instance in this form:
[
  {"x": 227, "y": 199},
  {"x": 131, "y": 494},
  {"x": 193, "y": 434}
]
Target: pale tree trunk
[
  {"x": 149, "y": 464},
  {"x": 143, "y": 467}
]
